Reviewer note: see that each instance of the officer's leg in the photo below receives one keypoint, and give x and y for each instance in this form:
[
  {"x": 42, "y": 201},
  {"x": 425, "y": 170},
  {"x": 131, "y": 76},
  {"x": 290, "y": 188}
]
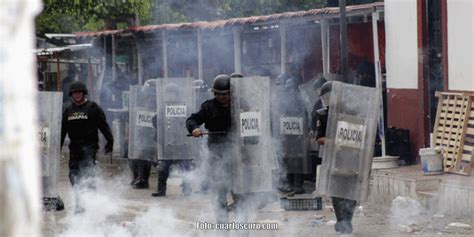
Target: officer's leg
[
  {"x": 87, "y": 166},
  {"x": 146, "y": 171},
  {"x": 185, "y": 167},
  {"x": 221, "y": 212},
  {"x": 163, "y": 173},
  {"x": 143, "y": 174},
  {"x": 133, "y": 164},
  {"x": 337, "y": 203},
  {"x": 75, "y": 155},
  {"x": 348, "y": 208},
  {"x": 298, "y": 180},
  {"x": 284, "y": 183}
]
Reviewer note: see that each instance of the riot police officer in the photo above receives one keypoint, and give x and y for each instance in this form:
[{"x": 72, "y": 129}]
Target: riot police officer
[
  {"x": 293, "y": 138},
  {"x": 177, "y": 151},
  {"x": 81, "y": 121},
  {"x": 216, "y": 117},
  {"x": 343, "y": 208},
  {"x": 140, "y": 163},
  {"x": 163, "y": 169}
]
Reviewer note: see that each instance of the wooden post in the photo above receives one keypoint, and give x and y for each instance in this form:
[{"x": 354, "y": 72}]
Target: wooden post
[
  {"x": 282, "y": 49},
  {"x": 199, "y": 42},
  {"x": 114, "y": 68},
  {"x": 378, "y": 77},
  {"x": 237, "y": 51},
  {"x": 139, "y": 61},
  {"x": 325, "y": 47},
  {"x": 58, "y": 73},
  {"x": 164, "y": 42},
  {"x": 89, "y": 77},
  {"x": 343, "y": 39}
]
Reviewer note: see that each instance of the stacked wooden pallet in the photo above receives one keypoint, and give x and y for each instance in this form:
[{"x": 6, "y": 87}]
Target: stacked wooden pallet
[{"x": 454, "y": 131}]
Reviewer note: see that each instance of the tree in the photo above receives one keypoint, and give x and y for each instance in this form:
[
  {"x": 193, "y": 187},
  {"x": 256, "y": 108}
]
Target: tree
[{"x": 66, "y": 16}]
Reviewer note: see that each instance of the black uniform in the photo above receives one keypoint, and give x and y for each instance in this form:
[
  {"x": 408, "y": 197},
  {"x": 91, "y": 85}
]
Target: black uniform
[
  {"x": 216, "y": 118},
  {"x": 80, "y": 123},
  {"x": 314, "y": 115},
  {"x": 343, "y": 208}
]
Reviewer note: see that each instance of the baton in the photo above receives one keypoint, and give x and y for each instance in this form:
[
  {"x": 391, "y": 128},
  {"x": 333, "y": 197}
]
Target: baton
[{"x": 208, "y": 133}]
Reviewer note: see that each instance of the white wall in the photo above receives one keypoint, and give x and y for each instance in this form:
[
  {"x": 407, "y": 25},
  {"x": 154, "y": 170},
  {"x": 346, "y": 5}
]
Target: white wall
[
  {"x": 460, "y": 44},
  {"x": 401, "y": 44}
]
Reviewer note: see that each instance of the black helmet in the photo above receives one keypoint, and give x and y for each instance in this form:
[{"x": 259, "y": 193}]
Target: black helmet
[
  {"x": 77, "y": 86},
  {"x": 326, "y": 88},
  {"x": 290, "y": 83},
  {"x": 236, "y": 74},
  {"x": 221, "y": 84},
  {"x": 318, "y": 83}
]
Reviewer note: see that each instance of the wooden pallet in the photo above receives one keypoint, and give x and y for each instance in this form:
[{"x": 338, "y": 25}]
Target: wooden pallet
[{"x": 454, "y": 131}]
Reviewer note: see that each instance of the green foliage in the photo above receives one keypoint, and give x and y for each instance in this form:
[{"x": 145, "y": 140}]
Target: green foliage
[{"x": 66, "y": 16}]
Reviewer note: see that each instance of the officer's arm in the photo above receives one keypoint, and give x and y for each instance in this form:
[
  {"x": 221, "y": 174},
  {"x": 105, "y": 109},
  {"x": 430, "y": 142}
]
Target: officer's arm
[
  {"x": 104, "y": 127},
  {"x": 63, "y": 127},
  {"x": 196, "y": 119}
]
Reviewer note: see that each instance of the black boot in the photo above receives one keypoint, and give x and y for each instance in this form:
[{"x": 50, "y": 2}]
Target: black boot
[
  {"x": 298, "y": 184},
  {"x": 161, "y": 190},
  {"x": 143, "y": 175},
  {"x": 287, "y": 184},
  {"x": 134, "y": 169}
]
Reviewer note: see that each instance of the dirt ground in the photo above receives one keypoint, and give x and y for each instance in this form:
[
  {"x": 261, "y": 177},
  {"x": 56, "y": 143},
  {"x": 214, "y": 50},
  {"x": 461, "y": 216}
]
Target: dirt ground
[{"x": 115, "y": 209}]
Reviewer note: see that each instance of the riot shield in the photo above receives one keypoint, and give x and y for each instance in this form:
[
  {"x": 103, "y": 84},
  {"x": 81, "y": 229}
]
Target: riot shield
[
  {"x": 293, "y": 130},
  {"x": 142, "y": 132},
  {"x": 175, "y": 102},
  {"x": 201, "y": 93},
  {"x": 308, "y": 94},
  {"x": 310, "y": 97},
  {"x": 50, "y": 104},
  {"x": 349, "y": 144},
  {"x": 250, "y": 131}
]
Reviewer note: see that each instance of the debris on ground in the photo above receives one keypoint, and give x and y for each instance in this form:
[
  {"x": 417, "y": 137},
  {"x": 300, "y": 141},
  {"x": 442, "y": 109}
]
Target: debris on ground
[
  {"x": 459, "y": 225},
  {"x": 318, "y": 217},
  {"x": 331, "y": 222}
]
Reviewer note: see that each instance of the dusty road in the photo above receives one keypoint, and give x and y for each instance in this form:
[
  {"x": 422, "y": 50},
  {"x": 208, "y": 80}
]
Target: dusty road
[{"x": 115, "y": 209}]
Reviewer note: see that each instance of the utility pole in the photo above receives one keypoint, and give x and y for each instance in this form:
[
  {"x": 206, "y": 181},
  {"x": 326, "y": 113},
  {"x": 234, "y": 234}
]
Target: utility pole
[{"x": 343, "y": 39}]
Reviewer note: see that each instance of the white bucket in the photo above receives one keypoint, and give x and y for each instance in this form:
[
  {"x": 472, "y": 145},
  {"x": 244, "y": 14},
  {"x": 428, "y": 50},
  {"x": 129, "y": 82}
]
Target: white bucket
[{"x": 431, "y": 160}]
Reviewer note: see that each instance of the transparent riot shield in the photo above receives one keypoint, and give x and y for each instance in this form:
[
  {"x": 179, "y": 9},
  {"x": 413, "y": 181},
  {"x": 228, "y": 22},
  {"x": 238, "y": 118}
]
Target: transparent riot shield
[
  {"x": 308, "y": 95},
  {"x": 251, "y": 135},
  {"x": 349, "y": 144},
  {"x": 142, "y": 132},
  {"x": 293, "y": 130},
  {"x": 50, "y": 114},
  {"x": 201, "y": 93},
  {"x": 175, "y": 102}
]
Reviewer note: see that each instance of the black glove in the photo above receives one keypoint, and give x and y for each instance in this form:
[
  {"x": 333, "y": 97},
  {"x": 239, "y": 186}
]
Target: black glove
[{"x": 109, "y": 147}]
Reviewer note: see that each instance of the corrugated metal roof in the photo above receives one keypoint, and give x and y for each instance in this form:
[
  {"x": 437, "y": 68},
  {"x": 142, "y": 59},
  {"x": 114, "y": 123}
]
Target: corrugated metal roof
[{"x": 212, "y": 25}]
